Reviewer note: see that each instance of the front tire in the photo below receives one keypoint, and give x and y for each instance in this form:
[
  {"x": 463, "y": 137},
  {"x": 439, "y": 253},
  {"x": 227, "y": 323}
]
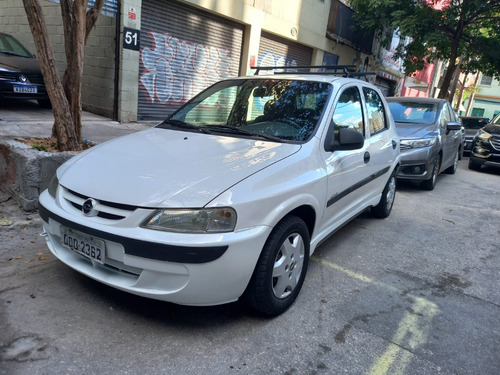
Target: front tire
[
  {"x": 281, "y": 268},
  {"x": 384, "y": 208},
  {"x": 452, "y": 169},
  {"x": 44, "y": 103},
  {"x": 430, "y": 184},
  {"x": 473, "y": 165}
]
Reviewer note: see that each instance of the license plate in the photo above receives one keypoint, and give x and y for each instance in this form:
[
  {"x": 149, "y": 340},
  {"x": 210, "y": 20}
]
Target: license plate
[
  {"x": 25, "y": 89},
  {"x": 92, "y": 248}
]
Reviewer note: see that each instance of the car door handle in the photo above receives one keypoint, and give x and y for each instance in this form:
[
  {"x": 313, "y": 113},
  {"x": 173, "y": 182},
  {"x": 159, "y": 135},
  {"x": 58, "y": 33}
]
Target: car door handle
[{"x": 366, "y": 157}]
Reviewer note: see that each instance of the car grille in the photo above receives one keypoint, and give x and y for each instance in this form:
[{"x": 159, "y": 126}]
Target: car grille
[
  {"x": 495, "y": 142},
  {"x": 35, "y": 78},
  {"x": 403, "y": 147},
  {"x": 9, "y": 76},
  {"x": 107, "y": 210}
]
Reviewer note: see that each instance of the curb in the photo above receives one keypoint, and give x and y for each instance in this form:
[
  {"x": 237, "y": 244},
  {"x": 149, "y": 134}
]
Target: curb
[{"x": 26, "y": 172}]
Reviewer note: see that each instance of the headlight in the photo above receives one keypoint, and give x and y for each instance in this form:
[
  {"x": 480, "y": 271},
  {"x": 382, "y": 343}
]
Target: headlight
[
  {"x": 205, "y": 220},
  {"x": 417, "y": 143},
  {"x": 483, "y": 136},
  {"x": 54, "y": 183}
]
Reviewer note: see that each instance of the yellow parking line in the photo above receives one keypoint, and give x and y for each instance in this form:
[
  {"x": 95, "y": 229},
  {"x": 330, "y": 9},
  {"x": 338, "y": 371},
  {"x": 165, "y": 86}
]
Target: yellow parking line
[
  {"x": 352, "y": 274},
  {"x": 412, "y": 332}
]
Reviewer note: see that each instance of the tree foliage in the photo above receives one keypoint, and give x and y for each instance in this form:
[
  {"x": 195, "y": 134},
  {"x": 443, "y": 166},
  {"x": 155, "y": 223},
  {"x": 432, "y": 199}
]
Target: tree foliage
[
  {"x": 450, "y": 30},
  {"x": 65, "y": 95}
]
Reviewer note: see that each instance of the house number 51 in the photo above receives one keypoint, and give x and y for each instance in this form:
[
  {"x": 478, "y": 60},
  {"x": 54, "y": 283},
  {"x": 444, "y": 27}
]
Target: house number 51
[{"x": 131, "y": 39}]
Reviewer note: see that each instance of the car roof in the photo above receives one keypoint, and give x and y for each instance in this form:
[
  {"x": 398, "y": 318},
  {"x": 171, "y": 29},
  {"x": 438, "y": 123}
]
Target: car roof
[
  {"x": 331, "y": 79},
  {"x": 412, "y": 99}
]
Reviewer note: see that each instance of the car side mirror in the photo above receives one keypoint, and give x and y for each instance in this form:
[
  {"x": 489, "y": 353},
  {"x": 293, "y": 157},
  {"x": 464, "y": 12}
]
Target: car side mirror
[
  {"x": 347, "y": 139},
  {"x": 453, "y": 125}
]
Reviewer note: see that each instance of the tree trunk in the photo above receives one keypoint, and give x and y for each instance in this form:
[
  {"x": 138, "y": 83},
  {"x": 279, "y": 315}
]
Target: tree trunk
[
  {"x": 63, "y": 123},
  {"x": 443, "y": 92},
  {"x": 74, "y": 22},
  {"x": 77, "y": 27}
]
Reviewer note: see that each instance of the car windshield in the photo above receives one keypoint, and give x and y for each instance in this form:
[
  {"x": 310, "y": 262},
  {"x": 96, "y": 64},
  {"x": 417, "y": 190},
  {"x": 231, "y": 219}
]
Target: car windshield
[
  {"x": 413, "y": 112},
  {"x": 10, "y": 46},
  {"x": 281, "y": 110}
]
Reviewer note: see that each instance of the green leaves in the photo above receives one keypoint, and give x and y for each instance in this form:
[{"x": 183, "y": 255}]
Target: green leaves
[{"x": 438, "y": 29}]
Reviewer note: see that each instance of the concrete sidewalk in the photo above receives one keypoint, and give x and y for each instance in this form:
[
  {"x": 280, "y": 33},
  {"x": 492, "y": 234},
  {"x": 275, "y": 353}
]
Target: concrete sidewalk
[{"x": 27, "y": 119}]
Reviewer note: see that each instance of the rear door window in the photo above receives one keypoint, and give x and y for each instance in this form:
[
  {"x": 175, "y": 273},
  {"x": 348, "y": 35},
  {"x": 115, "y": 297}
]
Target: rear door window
[{"x": 376, "y": 111}]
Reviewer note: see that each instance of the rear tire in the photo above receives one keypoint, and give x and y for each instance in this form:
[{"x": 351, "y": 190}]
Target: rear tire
[
  {"x": 281, "y": 268},
  {"x": 384, "y": 208}
]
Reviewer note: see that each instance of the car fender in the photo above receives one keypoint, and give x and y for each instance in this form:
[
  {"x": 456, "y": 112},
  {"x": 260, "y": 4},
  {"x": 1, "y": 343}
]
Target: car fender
[{"x": 268, "y": 196}]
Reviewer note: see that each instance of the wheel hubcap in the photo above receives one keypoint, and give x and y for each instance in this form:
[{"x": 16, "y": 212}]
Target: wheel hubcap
[{"x": 288, "y": 265}]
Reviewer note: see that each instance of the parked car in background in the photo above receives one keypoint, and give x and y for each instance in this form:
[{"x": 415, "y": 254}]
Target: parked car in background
[
  {"x": 431, "y": 138},
  {"x": 20, "y": 74},
  {"x": 230, "y": 195},
  {"x": 485, "y": 148},
  {"x": 471, "y": 126}
]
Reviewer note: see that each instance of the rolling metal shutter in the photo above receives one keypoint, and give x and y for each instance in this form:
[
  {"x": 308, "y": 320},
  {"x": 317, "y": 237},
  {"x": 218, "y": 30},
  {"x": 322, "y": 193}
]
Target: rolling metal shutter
[
  {"x": 275, "y": 51},
  {"x": 183, "y": 50}
]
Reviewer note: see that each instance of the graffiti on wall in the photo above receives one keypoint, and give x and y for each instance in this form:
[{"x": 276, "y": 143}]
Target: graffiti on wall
[{"x": 175, "y": 70}]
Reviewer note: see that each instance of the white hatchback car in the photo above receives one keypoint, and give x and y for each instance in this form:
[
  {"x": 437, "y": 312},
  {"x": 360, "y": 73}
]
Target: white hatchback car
[{"x": 231, "y": 194}]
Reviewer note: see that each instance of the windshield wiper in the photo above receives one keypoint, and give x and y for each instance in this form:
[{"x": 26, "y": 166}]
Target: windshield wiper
[
  {"x": 235, "y": 130},
  {"x": 183, "y": 125}
]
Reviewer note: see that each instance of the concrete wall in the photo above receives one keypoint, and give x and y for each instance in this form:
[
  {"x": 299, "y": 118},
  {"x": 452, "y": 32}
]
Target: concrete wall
[
  {"x": 129, "y": 64},
  {"x": 99, "y": 63}
]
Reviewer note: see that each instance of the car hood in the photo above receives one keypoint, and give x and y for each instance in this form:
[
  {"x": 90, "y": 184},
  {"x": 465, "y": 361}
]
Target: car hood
[
  {"x": 492, "y": 129},
  {"x": 168, "y": 168},
  {"x": 413, "y": 130},
  {"x": 21, "y": 64}
]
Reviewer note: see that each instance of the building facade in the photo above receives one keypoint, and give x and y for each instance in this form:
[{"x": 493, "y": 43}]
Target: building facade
[
  {"x": 485, "y": 102},
  {"x": 145, "y": 58}
]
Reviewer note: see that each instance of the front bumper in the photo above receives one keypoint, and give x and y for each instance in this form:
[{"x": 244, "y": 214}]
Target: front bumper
[
  {"x": 486, "y": 152},
  {"x": 416, "y": 163},
  {"x": 187, "y": 269}
]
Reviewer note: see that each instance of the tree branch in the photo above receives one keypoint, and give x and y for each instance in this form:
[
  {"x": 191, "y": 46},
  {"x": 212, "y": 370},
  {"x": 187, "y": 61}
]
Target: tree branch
[{"x": 91, "y": 18}]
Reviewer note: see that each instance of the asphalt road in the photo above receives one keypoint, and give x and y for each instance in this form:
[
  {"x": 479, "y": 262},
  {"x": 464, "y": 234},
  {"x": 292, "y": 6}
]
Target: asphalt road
[{"x": 416, "y": 293}]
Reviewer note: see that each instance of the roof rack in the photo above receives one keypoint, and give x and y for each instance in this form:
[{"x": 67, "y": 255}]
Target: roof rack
[{"x": 340, "y": 70}]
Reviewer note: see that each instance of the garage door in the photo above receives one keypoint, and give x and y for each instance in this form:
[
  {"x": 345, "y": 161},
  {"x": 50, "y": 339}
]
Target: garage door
[
  {"x": 183, "y": 50},
  {"x": 275, "y": 51}
]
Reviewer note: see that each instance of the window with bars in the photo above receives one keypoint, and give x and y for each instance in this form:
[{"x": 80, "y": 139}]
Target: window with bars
[{"x": 486, "y": 81}]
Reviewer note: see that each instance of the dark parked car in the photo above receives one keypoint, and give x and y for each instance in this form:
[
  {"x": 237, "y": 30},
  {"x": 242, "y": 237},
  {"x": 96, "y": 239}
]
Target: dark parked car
[
  {"x": 471, "y": 125},
  {"x": 431, "y": 139},
  {"x": 20, "y": 74},
  {"x": 485, "y": 149}
]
